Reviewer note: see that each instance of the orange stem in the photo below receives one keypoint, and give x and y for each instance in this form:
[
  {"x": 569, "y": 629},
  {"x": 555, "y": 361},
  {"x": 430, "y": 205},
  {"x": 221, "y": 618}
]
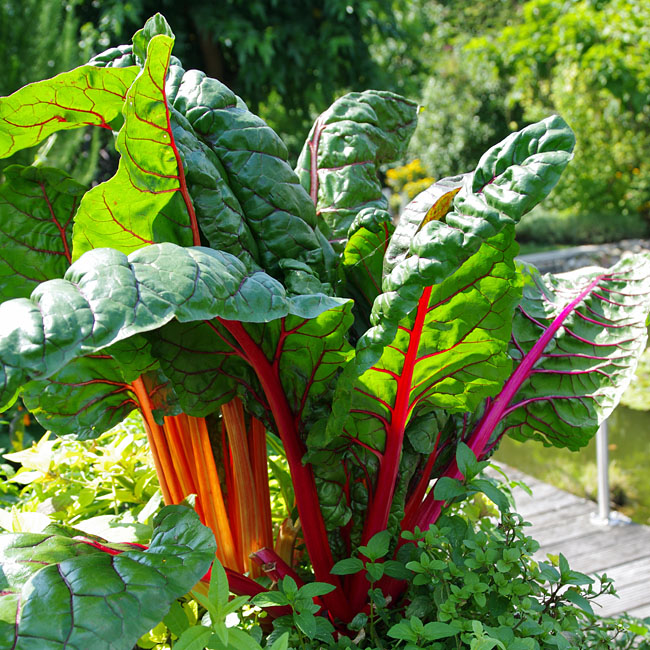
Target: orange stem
[
  {"x": 210, "y": 493},
  {"x": 247, "y": 517},
  {"x": 184, "y": 464},
  {"x": 257, "y": 444},
  {"x": 171, "y": 489}
]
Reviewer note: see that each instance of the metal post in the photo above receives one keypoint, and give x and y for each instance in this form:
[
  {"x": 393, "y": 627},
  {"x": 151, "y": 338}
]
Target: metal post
[{"x": 602, "y": 458}]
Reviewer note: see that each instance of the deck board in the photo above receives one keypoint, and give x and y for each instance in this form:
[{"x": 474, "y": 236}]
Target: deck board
[{"x": 564, "y": 523}]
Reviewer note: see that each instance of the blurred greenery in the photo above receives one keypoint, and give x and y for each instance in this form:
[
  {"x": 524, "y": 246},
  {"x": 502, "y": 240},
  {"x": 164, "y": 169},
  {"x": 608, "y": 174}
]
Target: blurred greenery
[
  {"x": 480, "y": 70},
  {"x": 585, "y": 59},
  {"x": 106, "y": 486}
]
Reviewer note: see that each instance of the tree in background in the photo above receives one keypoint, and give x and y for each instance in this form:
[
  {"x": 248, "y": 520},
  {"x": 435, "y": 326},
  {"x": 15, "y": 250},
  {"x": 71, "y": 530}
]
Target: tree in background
[
  {"x": 588, "y": 60},
  {"x": 287, "y": 59}
]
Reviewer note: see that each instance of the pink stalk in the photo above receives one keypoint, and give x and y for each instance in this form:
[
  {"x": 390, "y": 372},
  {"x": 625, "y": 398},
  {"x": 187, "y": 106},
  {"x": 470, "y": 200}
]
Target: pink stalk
[
  {"x": 274, "y": 566},
  {"x": 430, "y": 510}
]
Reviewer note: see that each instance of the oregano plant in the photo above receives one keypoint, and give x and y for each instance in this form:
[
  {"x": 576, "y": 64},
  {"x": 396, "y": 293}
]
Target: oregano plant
[{"x": 225, "y": 295}]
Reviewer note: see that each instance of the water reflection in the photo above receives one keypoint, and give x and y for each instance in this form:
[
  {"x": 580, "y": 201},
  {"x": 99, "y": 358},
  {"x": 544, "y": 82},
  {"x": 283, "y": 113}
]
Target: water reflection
[{"x": 629, "y": 440}]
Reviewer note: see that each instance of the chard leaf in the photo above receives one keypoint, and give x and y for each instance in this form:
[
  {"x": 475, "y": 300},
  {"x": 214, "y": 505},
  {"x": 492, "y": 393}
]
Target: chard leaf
[
  {"x": 576, "y": 338},
  {"x": 278, "y": 212},
  {"x": 207, "y": 365},
  {"x": 84, "y": 96},
  {"x": 146, "y": 201},
  {"x": 218, "y": 212},
  {"x": 440, "y": 249},
  {"x": 362, "y": 261},
  {"x": 432, "y": 204},
  {"x": 37, "y": 205},
  {"x": 106, "y": 297},
  {"x": 339, "y": 163},
  {"x": 442, "y": 326},
  {"x": 450, "y": 352},
  {"x": 97, "y": 596},
  {"x": 88, "y": 396}
]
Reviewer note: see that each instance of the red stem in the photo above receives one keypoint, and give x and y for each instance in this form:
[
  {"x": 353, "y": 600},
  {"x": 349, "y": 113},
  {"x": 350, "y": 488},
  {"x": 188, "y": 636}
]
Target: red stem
[
  {"x": 480, "y": 437},
  {"x": 377, "y": 519},
  {"x": 311, "y": 519}
]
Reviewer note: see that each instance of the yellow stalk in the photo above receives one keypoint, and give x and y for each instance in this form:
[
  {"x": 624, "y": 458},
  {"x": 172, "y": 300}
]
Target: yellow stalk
[{"x": 286, "y": 540}]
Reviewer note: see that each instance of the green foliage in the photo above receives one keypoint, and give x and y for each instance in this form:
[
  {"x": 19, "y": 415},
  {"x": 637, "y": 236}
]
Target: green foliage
[
  {"x": 569, "y": 229},
  {"x": 587, "y": 61},
  {"x": 230, "y": 274},
  {"x": 105, "y": 486},
  {"x": 472, "y": 582},
  {"x": 584, "y": 60}
]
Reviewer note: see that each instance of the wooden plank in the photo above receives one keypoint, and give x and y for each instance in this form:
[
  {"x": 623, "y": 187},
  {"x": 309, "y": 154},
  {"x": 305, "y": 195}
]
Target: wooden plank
[
  {"x": 640, "y": 612},
  {"x": 562, "y": 523},
  {"x": 599, "y": 551},
  {"x": 554, "y": 518}
]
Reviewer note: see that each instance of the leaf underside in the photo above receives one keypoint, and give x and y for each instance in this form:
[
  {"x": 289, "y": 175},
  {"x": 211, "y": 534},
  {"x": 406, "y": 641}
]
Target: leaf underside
[{"x": 581, "y": 374}]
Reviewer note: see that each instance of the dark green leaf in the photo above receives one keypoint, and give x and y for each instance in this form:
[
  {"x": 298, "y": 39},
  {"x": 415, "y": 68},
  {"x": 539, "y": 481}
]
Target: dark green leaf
[
  {"x": 436, "y": 630},
  {"x": 347, "y": 566},
  {"x": 575, "y": 597},
  {"x": 492, "y": 492},
  {"x": 106, "y": 297},
  {"x": 194, "y": 638},
  {"x": 339, "y": 163},
  {"x": 314, "y": 589},
  {"x": 466, "y": 460},
  {"x": 448, "y": 488},
  {"x": 377, "y": 546},
  {"x": 278, "y": 212},
  {"x": 124, "y": 595},
  {"x": 37, "y": 205}
]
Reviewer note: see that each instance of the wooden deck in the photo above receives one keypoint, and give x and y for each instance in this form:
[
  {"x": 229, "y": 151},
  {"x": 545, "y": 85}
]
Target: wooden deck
[{"x": 563, "y": 523}]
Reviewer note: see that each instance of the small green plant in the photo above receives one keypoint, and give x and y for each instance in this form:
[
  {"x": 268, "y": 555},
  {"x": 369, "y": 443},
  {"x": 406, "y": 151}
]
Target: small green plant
[{"x": 96, "y": 485}]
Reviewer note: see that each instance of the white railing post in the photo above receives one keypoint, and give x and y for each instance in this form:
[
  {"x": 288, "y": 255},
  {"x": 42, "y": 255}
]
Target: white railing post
[{"x": 602, "y": 459}]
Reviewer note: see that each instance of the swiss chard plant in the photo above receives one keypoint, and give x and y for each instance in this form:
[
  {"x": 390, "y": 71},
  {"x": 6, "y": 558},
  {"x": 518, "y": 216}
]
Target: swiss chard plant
[{"x": 225, "y": 295}]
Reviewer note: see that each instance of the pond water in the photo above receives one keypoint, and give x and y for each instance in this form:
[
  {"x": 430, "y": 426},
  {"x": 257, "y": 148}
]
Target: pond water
[{"x": 629, "y": 469}]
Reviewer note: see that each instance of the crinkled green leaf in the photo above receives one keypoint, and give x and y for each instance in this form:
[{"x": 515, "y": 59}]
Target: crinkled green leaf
[
  {"x": 442, "y": 325},
  {"x": 339, "y": 163},
  {"x": 440, "y": 249},
  {"x": 363, "y": 259},
  {"x": 450, "y": 352},
  {"x": 86, "y": 397},
  {"x": 579, "y": 376},
  {"x": 432, "y": 204},
  {"x": 59, "y": 592},
  {"x": 218, "y": 212},
  {"x": 106, "y": 297},
  {"x": 146, "y": 201},
  {"x": 37, "y": 205},
  {"x": 513, "y": 176},
  {"x": 155, "y": 26},
  {"x": 278, "y": 211},
  {"x": 84, "y": 96}
]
